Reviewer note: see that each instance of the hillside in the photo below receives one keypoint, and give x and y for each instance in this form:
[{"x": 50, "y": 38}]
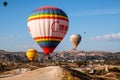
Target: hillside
[
  {"x": 47, "y": 73},
  {"x": 78, "y": 65}
]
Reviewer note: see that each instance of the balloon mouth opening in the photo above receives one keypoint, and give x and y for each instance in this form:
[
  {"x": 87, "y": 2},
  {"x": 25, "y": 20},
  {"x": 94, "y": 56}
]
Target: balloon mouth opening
[
  {"x": 48, "y": 50},
  {"x": 47, "y": 54}
]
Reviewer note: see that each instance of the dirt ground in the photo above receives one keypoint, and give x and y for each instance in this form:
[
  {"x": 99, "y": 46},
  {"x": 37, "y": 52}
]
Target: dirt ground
[{"x": 47, "y": 73}]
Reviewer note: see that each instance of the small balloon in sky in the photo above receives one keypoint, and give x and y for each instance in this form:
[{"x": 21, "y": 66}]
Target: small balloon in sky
[
  {"x": 75, "y": 39},
  {"x": 84, "y": 32},
  {"x": 5, "y": 3}
]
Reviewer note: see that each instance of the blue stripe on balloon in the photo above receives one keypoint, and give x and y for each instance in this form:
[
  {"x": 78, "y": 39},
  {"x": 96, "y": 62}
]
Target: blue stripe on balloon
[
  {"x": 49, "y": 11},
  {"x": 48, "y": 44}
]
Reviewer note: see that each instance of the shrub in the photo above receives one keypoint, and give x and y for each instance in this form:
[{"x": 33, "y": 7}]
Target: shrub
[{"x": 115, "y": 69}]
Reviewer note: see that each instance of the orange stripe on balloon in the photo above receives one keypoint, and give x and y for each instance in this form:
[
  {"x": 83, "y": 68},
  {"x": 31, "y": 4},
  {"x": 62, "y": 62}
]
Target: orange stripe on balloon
[
  {"x": 47, "y": 18},
  {"x": 31, "y": 58}
]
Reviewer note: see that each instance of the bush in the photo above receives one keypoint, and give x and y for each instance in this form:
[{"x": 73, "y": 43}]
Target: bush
[
  {"x": 115, "y": 69},
  {"x": 2, "y": 67},
  {"x": 79, "y": 63}
]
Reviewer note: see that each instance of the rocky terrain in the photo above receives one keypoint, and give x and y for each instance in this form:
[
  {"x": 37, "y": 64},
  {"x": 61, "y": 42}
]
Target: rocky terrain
[
  {"x": 64, "y": 56},
  {"x": 75, "y": 65},
  {"x": 47, "y": 73}
]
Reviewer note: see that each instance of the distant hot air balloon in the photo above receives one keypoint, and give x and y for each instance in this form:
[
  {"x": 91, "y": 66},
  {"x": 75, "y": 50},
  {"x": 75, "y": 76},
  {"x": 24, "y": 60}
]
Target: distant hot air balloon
[
  {"x": 31, "y": 54},
  {"x": 5, "y": 4},
  {"x": 48, "y": 25},
  {"x": 84, "y": 32},
  {"x": 75, "y": 39}
]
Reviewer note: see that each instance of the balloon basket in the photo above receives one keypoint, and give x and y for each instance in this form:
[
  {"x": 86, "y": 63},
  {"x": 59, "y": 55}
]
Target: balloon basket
[
  {"x": 47, "y": 60},
  {"x": 74, "y": 49},
  {"x": 47, "y": 57}
]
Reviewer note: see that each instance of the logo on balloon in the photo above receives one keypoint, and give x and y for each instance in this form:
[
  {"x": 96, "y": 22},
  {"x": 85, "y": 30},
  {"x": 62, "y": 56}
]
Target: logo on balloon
[{"x": 58, "y": 27}]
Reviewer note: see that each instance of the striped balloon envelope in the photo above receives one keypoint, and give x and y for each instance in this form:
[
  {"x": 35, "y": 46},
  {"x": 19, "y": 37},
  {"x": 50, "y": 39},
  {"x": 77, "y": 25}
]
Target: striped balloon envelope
[{"x": 48, "y": 25}]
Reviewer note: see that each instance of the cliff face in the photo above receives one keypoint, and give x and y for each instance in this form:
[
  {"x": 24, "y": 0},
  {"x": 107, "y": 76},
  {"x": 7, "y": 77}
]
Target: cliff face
[
  {"x": 63, "y": 56},
  {"x": 82, "y": 55},
  {"x": 6, "y": 56},
  {"x": 12, "y": 56}
]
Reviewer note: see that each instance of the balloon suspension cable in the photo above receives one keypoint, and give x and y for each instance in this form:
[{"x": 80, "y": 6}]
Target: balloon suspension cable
[
  {"x": 48, "y": 57},
  {"x": 31, "y": 62},
  {"x": 75, "y": 49}
]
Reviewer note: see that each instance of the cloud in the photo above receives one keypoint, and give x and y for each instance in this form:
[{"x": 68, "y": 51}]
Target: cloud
[
  {"x": 24, "y": 47},
  {"x": 14, "y": 42},
  {"x": 107, "y": 37}
]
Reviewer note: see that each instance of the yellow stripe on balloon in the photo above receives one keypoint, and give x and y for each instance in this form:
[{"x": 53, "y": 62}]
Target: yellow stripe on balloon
[
  {"x": 49, "y": 15},
  {"x": 46, "y": 15},
  {"x": 47, "y": 40}
]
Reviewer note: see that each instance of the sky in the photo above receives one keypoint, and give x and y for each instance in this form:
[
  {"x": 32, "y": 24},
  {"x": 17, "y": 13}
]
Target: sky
[{"x": 100, "y": 19}]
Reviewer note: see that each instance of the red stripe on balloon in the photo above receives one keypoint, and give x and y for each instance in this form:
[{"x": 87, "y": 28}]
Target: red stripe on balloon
[
  {"x": 47, "y": 7},
  {"x": 48, "y": 37}
]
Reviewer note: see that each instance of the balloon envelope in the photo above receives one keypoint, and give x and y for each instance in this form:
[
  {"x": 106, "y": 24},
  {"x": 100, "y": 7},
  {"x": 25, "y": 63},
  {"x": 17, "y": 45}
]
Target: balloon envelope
[
  {"x": 48, "y": 26},
  {"x": 5, "y": 3},
  {"x": 31, "y": 54},
  {"x": 75, "y": 39}
]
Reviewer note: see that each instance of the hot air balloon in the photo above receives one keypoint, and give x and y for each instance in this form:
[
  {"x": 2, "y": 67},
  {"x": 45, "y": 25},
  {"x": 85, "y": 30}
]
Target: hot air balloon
[
  {"x": 75, "y": 39},
  {"x": 84, "y": 32},
  {"x": 31, "y": 54},
  {"x": 48, "y": 25},
  {"x": 5, "y": 4}
]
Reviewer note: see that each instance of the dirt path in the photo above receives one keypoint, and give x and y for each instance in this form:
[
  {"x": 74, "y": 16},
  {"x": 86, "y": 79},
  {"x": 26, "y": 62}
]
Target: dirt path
[{"x": 47, "y": 73}]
